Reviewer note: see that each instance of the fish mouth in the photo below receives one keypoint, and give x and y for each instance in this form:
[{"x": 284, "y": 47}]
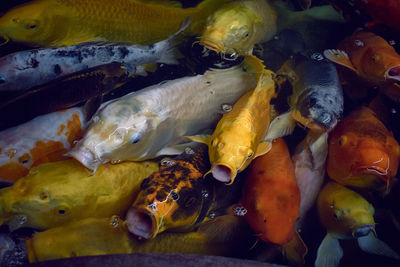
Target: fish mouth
[
  {"x": 141, "y": 223},
  {"x": 373, "y": 170},
  {"x": 86, "y": 157},
  {"x": 363, "y": 230},
  {"x": 211, "y": 45},
  {"x": 393, "y": 73},
  {"x": 223, "y": 173}
]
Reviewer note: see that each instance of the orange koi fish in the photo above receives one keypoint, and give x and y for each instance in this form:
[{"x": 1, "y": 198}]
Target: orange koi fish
[
  {"x": 44, "y": 139},
  {"x": 362, "y": 151},
  {"x": 369, "y": 55},
  {"x": 272, "y": 197}
]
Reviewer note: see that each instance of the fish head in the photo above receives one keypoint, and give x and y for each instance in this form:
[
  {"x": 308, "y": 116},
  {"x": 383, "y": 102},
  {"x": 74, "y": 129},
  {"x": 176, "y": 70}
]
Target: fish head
[
  {"x": 27, "y": 23},
  {"x": 229, "y": 154},
  {"x": 25, "y": 204},
  {"x": 229, "y": 31},
  {"x": 117, "y": 133},
  {"x": 381, "y": 64},
  {"x": 177, "y": 197},
  {"x": 343, "y": 211},
  {"x": 318, "y": 111}
]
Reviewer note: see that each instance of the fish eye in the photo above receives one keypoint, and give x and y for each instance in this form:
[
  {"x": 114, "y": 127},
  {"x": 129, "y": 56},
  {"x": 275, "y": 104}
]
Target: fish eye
[
  {"x": 342, "y": 140},
  {"x": 174, "y": 196},
  {"x": 43, "y": 195},
  {"x": 250, "y": 155},
  {"x": 62, "y": 210},
  {"x": 375, "y": 57},
  {"x": 135, "y": 138},
  {"x": 338, "y": 214},
  {"x": 30, "y": 24}
]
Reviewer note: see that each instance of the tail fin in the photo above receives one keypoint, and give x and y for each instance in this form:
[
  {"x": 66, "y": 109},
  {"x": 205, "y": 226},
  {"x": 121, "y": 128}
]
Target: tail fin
[{"x": 295, "y": 250}]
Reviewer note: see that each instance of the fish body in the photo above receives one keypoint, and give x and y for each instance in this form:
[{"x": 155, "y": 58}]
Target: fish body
[
  {"x": 44, "y": 139},
  {"x": 309, "y": 166},
  {"x": 370, "y": 56},
  {"x": 23, "y": 70},
  {"x": 89, "y": 85},
  {"x": 99, "y": 236},
  {"x": 149, "y": 122},
  {"x": 362, "y": 152},
  {"x": 56, "y": 193},
  {"x": 69, "y": 22},
  {"x": 236, "y": 139},
  {"x": 271, "y": 195},
  {"x": 236, "y": 27},
  {"x": 317, "y": 98},
  {"x": 177, "y": 197},
  {"x": 345, "y": 214}
]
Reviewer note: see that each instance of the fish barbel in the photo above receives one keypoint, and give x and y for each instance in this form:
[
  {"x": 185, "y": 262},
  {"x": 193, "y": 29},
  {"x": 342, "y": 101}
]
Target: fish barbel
[
  {"x": 150, "y": 122},
  {"x": 69, "y": 22}
]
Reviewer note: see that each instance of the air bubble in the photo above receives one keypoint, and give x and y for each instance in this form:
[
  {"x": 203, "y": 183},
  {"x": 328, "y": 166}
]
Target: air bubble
[
  {"x": 212, "y": 215},
  {"x": 226, "y": 108},
  {"x": 167, "y": 162},
  {"x": 317, "y": 56},
  {"x": 22, "y": 219},
  {"x": 116, "y": 161},
  {"x": 114, "y": 221},
  {"x": 359, "y": 43},
  {"x": 239, "y": 210},
  {"x": 204, "y": 193},
  {"x": 189, "y": 151}
]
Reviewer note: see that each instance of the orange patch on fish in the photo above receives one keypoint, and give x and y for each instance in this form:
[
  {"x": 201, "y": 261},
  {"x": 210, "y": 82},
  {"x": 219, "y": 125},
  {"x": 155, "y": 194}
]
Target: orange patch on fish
[
  {"x": 47, "y": 152},
  {"x": 13, "y": 171},
  {"x": 11, "y": 153},
  {"x": 74, "y": 127},
  {"x": 62, "y": 127}
]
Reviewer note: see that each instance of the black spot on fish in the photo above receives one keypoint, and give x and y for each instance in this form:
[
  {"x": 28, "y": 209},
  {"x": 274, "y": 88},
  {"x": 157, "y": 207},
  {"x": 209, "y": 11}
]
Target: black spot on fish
[
  {"x": 73, "y": 54},
  {"x": 153, "y": 52},
  {"x": 110, "y": 50},
  {"x": 57, "y": 69},
  {"x": 151, "y": 46},
  {"x": 33, "y": 63},
  {"x": 123, "y": 51}
]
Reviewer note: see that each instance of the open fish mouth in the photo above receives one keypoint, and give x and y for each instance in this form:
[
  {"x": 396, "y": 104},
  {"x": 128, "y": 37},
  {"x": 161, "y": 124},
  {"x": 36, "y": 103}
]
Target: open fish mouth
[
  {"x": 86, "y": 157},
  {"x": 223, "y": 173},
  {"x": 363, "y": 230},
  {"x": 393, "y": 73},
  {"x": 141, "y": 223}
]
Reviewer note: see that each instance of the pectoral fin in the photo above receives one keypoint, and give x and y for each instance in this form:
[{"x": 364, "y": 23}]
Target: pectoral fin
[
  {"x": 329, "y": 252},
  {"x": 281, "y": 126},
  {"x": 295, "y": 250},
  {"x": 371, "y": 244},
  {"x": 263, "y": 148},
  {"x": 339, "y": 57},
  {"x": 202, "y": 138},
  {"x": 174, "y": 150},
  {"x": 91, "y": 106},
  {"x": 319, "y": 150}
]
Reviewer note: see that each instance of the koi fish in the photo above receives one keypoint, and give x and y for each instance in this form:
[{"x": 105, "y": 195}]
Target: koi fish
[
  {"x": 317, "y": 99},
  {"x": 234, "y": 28},
  {"x": 89, "y": 85},
  {"x": 56, "y": 193},
  {"x": 178, "y": 198},
  {"x": 98, "y": 236},
  {"x": 369, "y": 56},
  {"x": 345, "y": 214},
  {"x": 69, "y": 22},
  {"x": 153, "y": 121},
  {"x": 309, "y": 166},
  {"x": 26, "y": 69},
  {"x": 236, "y": 140},
  {"x": 44, "y": 139},
  {"x": 362, "y": 152},
  {"x": 271, "y": 198}
]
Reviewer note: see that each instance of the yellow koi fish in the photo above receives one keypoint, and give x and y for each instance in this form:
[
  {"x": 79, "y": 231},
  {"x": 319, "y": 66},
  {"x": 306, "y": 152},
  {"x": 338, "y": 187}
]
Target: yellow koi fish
[
  {"x": 235, "y": 28},
  {"x": 59, "y": 192},
  {"x": 68, "y": 22},
  {"x": 236, "y": 139},
  {"x": 96, "y": 236}
]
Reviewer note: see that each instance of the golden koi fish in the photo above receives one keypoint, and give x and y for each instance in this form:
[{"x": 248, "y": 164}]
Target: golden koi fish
[
  {"x": 68, "y": 22},
  {"x": 236, "y": 139},
  {"x": 57, "y": 193}
]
